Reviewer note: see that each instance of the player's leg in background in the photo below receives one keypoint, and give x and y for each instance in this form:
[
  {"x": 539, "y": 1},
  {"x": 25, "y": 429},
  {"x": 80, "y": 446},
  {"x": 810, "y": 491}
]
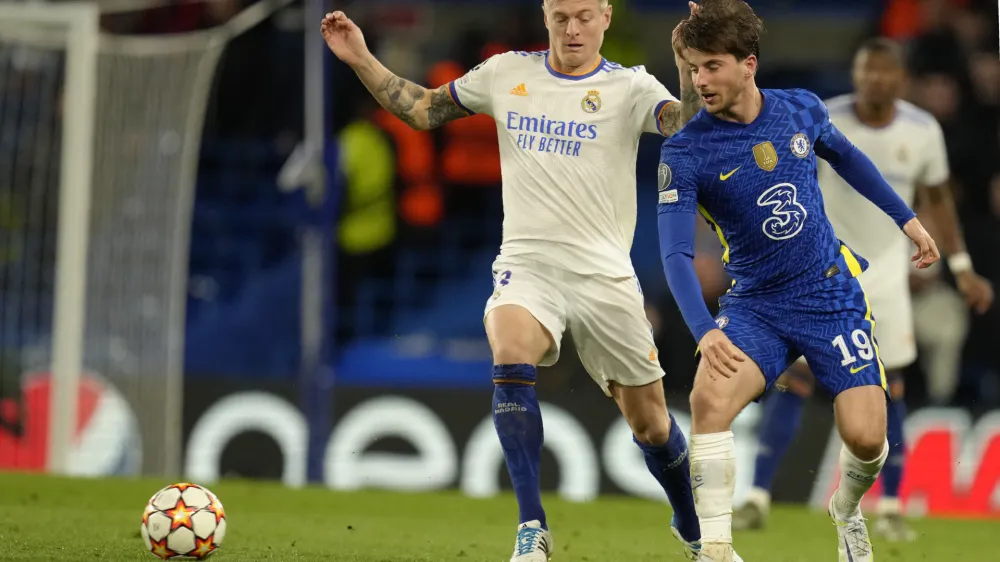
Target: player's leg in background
[
  {"x": 890, "y": 523},
  {"x": 780, "y": 422},
  {"x": 519, "y": 342},
  {"x": 941, "y": 324},
  {"x": 892, "y": 314}
]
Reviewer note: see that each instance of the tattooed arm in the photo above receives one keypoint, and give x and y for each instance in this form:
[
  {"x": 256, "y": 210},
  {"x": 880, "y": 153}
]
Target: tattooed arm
[
  {"x": 417, "y": 106},
  {"x": 676, "y": 115}
]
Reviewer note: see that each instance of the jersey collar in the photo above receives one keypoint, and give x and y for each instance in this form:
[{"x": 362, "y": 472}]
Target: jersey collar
[{"x": 577, "y": 76}]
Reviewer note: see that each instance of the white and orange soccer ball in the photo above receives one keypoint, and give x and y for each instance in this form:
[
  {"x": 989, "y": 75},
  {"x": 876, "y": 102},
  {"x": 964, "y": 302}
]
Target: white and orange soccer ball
[{"x": 183, "y": 521}]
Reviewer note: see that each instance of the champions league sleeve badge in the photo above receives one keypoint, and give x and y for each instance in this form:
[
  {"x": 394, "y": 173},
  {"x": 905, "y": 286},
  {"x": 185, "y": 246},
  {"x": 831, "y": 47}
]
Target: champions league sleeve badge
[{"x": 663, "y": 176}]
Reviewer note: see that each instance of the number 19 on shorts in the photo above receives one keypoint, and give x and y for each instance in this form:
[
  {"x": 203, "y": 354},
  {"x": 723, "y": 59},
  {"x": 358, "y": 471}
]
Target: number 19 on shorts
[{"x": 862, "y": 344}]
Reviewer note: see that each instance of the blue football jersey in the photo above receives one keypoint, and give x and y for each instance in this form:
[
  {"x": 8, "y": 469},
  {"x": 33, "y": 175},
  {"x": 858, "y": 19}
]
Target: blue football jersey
[{"x": 756, "y": 186}]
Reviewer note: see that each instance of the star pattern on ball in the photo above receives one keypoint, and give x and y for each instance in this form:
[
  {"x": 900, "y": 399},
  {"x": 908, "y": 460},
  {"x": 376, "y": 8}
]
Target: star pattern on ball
[
  {"x": 220, "y": 512},
  {"x": 203, "y": 548},
  {"x": 184, "y": 486},
  {"x": 147, "y": 512},
  {"x": 160, "y": 549},
  {"x": 180, "y": 515}
]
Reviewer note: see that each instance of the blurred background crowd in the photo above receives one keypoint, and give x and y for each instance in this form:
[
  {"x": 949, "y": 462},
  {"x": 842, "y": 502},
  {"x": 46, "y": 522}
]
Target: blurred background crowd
[{"x": 420, "y": 212}]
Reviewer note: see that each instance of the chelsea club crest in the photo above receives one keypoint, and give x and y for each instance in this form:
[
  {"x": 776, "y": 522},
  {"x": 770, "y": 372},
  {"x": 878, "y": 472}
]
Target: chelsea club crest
[
  {"x": 800, "y": 145},
  {"x": 591, "y": 102}
]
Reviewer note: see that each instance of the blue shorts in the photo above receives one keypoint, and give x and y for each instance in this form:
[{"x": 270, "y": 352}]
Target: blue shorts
[{"x": 831, "y": 324}]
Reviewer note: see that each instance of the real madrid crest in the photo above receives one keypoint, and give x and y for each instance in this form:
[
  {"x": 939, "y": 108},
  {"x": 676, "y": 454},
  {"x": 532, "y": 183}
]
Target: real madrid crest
[
  {"x": 591, "y": 102},
  {"x": 800, "y": 145}
]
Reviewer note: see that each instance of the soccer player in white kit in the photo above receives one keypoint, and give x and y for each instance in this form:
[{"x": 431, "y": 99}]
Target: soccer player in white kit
[
  {"x": 569, "y": 124},
  {"x": 907, "y": 146}
]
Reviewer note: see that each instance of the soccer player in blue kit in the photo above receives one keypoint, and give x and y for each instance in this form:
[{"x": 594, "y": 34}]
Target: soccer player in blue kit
[{"x": 747, "y": 163}]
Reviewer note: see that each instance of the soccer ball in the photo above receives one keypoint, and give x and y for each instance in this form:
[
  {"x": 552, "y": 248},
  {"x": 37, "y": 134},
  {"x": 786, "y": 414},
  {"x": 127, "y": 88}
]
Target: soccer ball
[{"x": 183, "y": 521}]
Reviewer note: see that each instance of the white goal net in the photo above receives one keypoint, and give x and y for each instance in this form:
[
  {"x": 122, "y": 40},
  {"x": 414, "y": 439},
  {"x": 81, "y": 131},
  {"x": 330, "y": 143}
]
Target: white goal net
[{"x": 99, "y": 141}]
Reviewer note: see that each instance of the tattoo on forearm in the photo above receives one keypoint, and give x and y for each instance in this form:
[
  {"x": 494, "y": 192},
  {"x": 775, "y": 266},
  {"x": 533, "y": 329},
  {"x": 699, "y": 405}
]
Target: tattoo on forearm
[
  {"x": 670, "y": 119},
  {"x": 405, "y": 100},
  {"x": 676, "y": 115},
  {"x": 399, "y": 97},
  {"x": 442, "y": 108}
]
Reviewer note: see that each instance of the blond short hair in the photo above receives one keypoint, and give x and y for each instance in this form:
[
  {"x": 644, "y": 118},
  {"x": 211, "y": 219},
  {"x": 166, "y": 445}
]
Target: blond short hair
[{"x": 602, "y": 3}]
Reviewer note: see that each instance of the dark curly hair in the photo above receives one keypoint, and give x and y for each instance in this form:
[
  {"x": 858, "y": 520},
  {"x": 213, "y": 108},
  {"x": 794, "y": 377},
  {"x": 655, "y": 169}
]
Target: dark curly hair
[{"x": 724, "y": 27}]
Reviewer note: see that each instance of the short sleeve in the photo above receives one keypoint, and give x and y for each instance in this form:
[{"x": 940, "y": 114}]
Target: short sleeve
[
  {"x": 676, "y": 181},
  {"x": 474, "y": 91},
  {"x": 649, "y": 98},
  {"x": 936, "y": 170}
]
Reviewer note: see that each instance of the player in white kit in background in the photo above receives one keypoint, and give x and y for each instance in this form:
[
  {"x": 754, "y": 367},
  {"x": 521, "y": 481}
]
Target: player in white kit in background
[
  {"x": 569, "y": 124},
  {"x": 907, "y": 146}
]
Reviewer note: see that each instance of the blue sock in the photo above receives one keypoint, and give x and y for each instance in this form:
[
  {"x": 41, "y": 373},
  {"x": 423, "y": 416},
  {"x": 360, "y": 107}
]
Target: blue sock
[
  {"x": 518, "y": 421},
  {"x": 782, "y": 417},
  {"x": 670, "y": 464},
  {"x": 892, "y": 472}
]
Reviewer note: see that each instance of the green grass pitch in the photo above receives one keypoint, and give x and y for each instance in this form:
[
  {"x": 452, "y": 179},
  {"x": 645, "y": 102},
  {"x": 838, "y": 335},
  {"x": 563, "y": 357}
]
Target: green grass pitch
[{"x": 47, "y": 519}]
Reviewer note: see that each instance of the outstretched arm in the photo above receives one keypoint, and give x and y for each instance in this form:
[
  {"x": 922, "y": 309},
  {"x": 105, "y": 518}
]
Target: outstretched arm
[
  {"x": 861, "y": 174},
  {"x": 415, "y": 105}
]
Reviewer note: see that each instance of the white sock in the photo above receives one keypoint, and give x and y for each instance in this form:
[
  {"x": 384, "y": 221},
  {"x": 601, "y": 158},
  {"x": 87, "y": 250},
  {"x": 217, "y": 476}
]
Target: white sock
[
  {"x": 713, "y": 480},
  {"x": 856, "y": 478},
  {"x": 889, "y": 506}
]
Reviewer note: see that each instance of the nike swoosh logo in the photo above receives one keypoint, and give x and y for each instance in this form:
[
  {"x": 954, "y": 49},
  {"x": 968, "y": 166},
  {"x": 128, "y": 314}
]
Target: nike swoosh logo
[
  {"x": 725, "y": 177},
  {"x": 861, "y": 368}
]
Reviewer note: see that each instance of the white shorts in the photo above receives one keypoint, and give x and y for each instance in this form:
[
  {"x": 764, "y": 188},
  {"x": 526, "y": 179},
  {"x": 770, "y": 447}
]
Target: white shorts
[
  {"x": 893, "y": 314},
  {"x": 606, "y": 316}
]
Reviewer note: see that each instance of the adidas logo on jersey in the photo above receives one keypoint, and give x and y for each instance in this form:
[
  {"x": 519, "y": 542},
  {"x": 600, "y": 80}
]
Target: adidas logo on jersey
[{"x": 519, "y": 90}]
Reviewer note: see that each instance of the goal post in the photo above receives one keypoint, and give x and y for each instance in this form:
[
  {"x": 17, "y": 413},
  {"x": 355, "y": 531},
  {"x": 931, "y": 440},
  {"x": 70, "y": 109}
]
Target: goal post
[
  {"x": 100, "y": 137},
  {"x": 75, "y": 28}
]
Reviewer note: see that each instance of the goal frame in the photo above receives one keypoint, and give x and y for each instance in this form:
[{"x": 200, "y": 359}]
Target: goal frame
[{"x": 81, "y": 24}]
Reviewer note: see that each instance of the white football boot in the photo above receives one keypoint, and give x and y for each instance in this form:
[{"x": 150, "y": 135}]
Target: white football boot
[
  {"x": 890, "y": 524},
  {"x": 716, "y": 552},
  {"x": 854, "y": 544},
  {"x": 533, "y": 543}
]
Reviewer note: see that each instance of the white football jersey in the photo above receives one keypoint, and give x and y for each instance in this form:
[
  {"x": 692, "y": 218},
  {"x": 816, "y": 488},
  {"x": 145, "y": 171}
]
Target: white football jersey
[
  {"x": 568, "y": 147},
  {"x": 908, "y": 152}
]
